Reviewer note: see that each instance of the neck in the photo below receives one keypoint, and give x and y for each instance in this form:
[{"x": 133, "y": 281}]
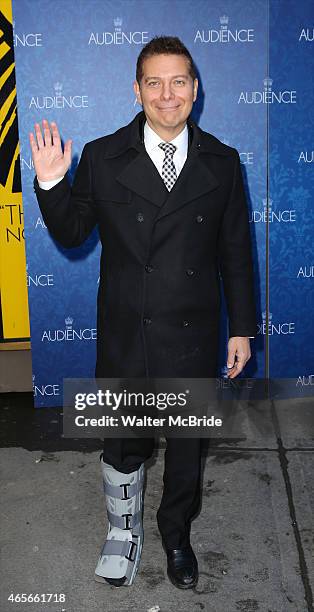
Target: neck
[{"x": 166, "y": 134}]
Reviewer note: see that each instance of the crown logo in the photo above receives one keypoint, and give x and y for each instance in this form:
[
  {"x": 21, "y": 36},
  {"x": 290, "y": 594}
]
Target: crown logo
[
  {"x": 117, "y": 22},
  {"x": 270, "y": 316},
  {"x": 268, "y": 83},
  {"x": 265, "y": 203},
  {"x": 224, "y": 20},
  {"x": 299, "y": 231},
  {"x": 58, "y": 88},
  {"x": 68, "y": 321}
]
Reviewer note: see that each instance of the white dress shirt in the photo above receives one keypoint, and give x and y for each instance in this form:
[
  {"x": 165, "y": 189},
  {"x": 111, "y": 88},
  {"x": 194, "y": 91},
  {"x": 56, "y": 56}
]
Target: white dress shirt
[
  {"x": 151, "y": 142},
  {"x": 157, "y": 155}
]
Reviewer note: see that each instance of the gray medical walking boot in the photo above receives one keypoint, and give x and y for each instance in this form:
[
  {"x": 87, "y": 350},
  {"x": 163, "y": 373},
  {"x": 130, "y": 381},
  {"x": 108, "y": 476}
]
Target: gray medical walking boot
[{"x": 120, "y": 556}]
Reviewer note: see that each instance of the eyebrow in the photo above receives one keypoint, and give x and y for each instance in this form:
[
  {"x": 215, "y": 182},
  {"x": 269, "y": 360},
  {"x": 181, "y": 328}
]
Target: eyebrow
[{"x": 174, "y": 77}]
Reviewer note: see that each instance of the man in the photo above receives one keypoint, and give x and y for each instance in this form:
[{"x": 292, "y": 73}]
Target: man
[{"x": 170, "y": 205}]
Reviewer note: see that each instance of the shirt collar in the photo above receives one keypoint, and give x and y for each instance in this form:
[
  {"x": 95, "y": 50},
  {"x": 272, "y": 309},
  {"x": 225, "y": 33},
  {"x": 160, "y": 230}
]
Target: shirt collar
[{"x": 152, "y": 140}]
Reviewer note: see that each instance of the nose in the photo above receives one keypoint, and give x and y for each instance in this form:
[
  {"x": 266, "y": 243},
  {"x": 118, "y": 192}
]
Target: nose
[{"x": 167, "y": 92}]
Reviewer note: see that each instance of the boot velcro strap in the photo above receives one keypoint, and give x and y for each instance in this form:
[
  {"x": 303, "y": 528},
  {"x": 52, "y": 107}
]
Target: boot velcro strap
[
  {"x": 117, "y": 547},
  {"x": 123, "y": 491},
  {"x": 126, "y": 521}
]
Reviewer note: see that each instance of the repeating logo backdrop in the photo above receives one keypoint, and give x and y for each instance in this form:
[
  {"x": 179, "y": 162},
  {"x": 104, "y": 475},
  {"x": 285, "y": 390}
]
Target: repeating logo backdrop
[
  {"x": 291, "y": 191},
  {"x": 75, "y": 64}
]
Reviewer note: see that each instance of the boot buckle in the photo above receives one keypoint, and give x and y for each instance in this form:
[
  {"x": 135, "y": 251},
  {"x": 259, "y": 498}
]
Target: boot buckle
[
  {"x": 127, "y": 521},
  {"x": 133, "y": 547},
  {"x": 125, "y": 490}
]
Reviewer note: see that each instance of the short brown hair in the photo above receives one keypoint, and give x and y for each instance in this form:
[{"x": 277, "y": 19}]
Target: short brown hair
[{"x": 168, "y": 45}]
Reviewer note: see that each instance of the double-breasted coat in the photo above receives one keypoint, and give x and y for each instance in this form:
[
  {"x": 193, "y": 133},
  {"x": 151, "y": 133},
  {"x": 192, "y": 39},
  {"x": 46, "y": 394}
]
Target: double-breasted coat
[{"x": 158, "y": 304}]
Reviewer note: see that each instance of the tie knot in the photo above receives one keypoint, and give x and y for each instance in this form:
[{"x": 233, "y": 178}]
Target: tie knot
[{"x": 168, "y": 148}]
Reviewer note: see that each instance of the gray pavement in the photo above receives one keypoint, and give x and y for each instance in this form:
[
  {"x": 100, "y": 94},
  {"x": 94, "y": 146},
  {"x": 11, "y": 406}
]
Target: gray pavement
[{"x": 253, "y": 536}]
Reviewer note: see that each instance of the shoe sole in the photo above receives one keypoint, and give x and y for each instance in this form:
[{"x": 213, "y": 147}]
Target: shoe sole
[
  {"x": 107, "y": 581},
  {"x": 182, "y": 586}
]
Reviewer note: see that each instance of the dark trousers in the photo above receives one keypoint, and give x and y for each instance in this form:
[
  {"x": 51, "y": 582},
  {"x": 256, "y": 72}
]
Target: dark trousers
[
  {"x": 181, "y": 479},
  {"x": 181, "y": 492}
]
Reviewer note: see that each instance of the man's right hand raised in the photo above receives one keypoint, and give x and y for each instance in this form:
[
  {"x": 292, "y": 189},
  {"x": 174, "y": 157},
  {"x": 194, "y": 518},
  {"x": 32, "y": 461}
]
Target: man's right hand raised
[{"x": 49, "y": 160}]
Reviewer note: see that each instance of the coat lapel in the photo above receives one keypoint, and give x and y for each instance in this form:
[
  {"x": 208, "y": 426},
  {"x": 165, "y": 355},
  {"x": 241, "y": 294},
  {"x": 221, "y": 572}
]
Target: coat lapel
[
  {"x": 194, "y": 180},
  {"x": 142, "y": 177}
]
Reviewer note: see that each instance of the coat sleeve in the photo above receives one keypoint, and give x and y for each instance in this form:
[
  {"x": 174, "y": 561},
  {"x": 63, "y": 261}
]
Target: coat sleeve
[
  {"x": 235, "y": 260},
  {"x": 69, "y": 213}
]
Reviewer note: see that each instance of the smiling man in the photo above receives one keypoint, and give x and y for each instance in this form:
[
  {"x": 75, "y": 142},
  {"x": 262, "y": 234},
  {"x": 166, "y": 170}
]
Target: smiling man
[
  {"x": 166, "y": 86},
  {"x": 169, "y": 202}
]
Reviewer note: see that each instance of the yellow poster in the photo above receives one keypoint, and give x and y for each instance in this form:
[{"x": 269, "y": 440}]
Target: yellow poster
[{"x": 13, "y": 286}]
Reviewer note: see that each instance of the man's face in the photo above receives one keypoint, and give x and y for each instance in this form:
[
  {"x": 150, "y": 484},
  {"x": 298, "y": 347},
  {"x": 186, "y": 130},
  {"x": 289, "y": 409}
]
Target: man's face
[{"x": 166, "y": 92}]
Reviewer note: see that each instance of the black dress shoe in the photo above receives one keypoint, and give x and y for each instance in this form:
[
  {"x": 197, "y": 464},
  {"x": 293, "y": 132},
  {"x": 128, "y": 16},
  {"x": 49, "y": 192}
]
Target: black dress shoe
[{"x": 182, "y": 567}]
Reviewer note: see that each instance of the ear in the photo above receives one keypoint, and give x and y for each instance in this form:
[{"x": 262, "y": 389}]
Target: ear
[
  {"x": 195, "y": 87},
  {"x": 137, "y": 92}
]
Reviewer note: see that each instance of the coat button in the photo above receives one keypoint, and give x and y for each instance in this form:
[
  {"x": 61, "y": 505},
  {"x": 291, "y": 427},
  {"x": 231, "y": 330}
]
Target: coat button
[
  {"x": 147, "y": 321},
  {"x": 149, "y": 268},
  {"x": 185, "y": 323},
  {"x": 190, "y": 272},
  {"x": 140, "y": 217},
  {"x": 199, "y": 218}
]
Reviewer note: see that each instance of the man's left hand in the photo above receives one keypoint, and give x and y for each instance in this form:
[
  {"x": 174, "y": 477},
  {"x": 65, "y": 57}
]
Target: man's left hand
[{"x": 239, "y": 353}]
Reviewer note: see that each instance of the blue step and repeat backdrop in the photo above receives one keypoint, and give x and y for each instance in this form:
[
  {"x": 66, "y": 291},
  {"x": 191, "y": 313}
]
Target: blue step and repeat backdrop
[{"x": 75, "y": 64}]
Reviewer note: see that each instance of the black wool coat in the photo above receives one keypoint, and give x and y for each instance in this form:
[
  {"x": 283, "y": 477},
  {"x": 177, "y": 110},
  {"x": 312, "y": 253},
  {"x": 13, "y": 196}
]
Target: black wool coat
[{"x": 162, "y": 252}]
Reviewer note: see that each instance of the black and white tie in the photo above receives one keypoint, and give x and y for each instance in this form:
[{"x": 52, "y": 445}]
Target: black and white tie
[{"x": 168, "y": 171}]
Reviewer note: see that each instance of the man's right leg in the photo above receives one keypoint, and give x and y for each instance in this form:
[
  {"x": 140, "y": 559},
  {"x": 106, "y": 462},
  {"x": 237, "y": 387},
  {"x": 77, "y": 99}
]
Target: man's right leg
[
  {"x": 127, "y": 454},
  {"x": 122, "y": 464}
]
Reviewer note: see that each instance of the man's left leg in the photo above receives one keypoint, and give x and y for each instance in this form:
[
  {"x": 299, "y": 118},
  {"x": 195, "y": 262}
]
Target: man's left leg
[{"x": 180, "y": 501}]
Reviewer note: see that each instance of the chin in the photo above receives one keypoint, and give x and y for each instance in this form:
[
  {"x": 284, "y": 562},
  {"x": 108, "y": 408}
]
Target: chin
[{"x": 170, "y": 119}]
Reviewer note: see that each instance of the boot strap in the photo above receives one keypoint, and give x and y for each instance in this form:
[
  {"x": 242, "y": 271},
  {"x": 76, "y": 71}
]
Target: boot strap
[
  {"x": 126, "y": 521},
  {"x": 123, "y": 491},
  {"x": 122, "y": 548}
]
